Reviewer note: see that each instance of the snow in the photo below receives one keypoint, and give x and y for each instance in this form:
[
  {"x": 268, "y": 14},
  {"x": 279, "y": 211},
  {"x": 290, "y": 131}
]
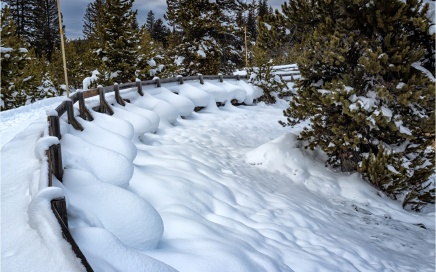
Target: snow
[
  {"x": 6, "y": 49},
  {"x": 80, "y": 154},
  {"x": 31, "y": 237},
  {"x": 215, "y": 90},
  {"x": 386, "y": 112},
  {"x": 222, "y": 189},
  {"x": 184, "y": 106},
  {"x": 233, "y": 91},
  {"x": 89, "y": 80},
  {"x": 199, "y": 97},
  {"x": 367, "y": 103},
  {"x": 179, "y": 60},
  {"x": 201, "y": 53},
  {"x": 151, "y": 62},
  {"x": 95, "y": 203},
  {"x": 417, "y": 66}
]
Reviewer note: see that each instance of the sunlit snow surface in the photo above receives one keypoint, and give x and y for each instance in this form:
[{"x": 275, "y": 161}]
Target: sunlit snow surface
[{"x": 224, "y": 189}]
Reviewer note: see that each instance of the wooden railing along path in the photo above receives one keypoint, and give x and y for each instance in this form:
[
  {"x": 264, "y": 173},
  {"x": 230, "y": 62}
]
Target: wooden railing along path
[{"x": 54, "y": 152}]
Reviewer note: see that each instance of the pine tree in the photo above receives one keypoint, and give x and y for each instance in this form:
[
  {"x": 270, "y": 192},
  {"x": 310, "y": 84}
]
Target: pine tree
[
  {"x": 150, "y": 56},
  {"x": 280, "y": 33},
  {"x": 21, "y": 14},
  {"x": 19, "y": 78},
  {"x": 93, "y": 12},
  {"x": 262, "y": 75},
  {"x": 365, "y": 93},
  {"x": 263, "y": 8},
  {"x": 37, "y": 22},
  {"x": 207, "y": 43},
  {"x": 150, "y": 21},
  {"x": 116, "y": 40},
  {"x": 197, "y": 21},
  {"x": 75, "y": 50},
  {"x": 45, "y": 34},
  {"x": 252, "y": 22},
  {"x": 160, "y": 32},
  {"x": 230, "y": 37}
]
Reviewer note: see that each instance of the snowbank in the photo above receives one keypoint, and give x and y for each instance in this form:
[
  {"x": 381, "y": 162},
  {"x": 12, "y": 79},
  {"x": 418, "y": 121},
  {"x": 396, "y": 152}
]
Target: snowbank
[
  {"x": 182, "y": 104},
  {"x": 199, "y": 97},
  {"x": 98, "y": 204}
]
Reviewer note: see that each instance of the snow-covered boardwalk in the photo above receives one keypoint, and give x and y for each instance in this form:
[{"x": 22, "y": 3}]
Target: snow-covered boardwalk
[{"x": 223, "y": 189}]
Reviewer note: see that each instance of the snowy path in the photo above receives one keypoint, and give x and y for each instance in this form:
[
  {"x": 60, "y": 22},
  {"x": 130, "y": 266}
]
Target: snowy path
[{"x": 226, "y": 215}]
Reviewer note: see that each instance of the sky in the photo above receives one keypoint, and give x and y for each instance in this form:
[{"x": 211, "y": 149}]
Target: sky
[{"x": 74, "y": 10}]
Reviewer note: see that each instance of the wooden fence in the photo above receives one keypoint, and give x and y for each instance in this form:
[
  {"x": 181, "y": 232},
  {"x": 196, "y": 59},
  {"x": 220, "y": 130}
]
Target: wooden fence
[{"x": 54, "y": 153}]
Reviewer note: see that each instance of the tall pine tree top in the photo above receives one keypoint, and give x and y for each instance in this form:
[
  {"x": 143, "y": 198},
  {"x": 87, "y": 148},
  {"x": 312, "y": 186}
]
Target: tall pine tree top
[
  {"x": 118, "y": 37},
  {"x": 150, "y": 21}
]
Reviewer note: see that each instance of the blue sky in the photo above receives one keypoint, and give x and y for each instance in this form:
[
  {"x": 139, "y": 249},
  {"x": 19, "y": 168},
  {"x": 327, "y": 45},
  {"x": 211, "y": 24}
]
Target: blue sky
[{"x": 73, "y": 11}]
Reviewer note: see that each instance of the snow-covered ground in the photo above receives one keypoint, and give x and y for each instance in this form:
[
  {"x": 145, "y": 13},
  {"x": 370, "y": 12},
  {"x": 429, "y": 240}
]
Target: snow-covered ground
[{"x": 223, "y": 189}]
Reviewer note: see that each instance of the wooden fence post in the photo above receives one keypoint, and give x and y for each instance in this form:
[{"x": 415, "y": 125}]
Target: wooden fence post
[
  {"x": 180, "y": 79},
  {"x": 71, "y": 120},
  {"x": 54, "y": 151},
  {"x": 139, "y": 86},
  {"x": 54, "y": 126},
  {"x": 83, "y": 111},
  {"x": 158, "y": 84},
  {"x": 118, "y": 97},
  {"x": 104, "y": 105},
  {"x": 200, "y": 76},
  {"x": 221, "y": 77}
]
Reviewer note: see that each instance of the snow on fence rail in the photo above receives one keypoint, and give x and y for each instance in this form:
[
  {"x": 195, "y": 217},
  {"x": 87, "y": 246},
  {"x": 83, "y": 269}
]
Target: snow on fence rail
[{"x": 54, "y": 152}]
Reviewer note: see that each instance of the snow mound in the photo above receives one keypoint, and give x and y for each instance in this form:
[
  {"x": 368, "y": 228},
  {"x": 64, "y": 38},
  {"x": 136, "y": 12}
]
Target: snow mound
[
  {"x": 199, "y": 97},
  {"x": 182, "y": 104},
  {"x": 218, "y": 93},
  {"x": 148, "y": 114},
  {"x": 140, "y": 123},
  {"x": 96, "y": 135},
  {"x": 107, "y": 165},
  {"x": 119, "y": 126},
  {"x": 166, "y": 111},
  {"x": 233, "y": 91},
  {"x": 284, "y": 148},
  {"x": 252, "y": 92},
  {"x": 130, "y": 218}
]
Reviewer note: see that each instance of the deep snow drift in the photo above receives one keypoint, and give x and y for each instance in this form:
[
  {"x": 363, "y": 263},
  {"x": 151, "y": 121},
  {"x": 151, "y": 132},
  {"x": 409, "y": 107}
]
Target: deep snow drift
[{"x": 224, "y": 189}]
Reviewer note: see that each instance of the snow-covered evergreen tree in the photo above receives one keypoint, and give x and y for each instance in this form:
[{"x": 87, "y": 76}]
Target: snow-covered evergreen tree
[
  {"x": 78, "y": 63},
  {"x": 197, "y": 25},
  {"x": 37, "y": 23},
  {"x": 113, "y": 39},
  {"x": 251, "y": 22},
  {"x": 21, "y": 11},
  {"x": 366, "y": 93},
  {"x": 150, "y": 56},
  {"x": 20, "y": 70},
  {"x": 206, "y": 43}
]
